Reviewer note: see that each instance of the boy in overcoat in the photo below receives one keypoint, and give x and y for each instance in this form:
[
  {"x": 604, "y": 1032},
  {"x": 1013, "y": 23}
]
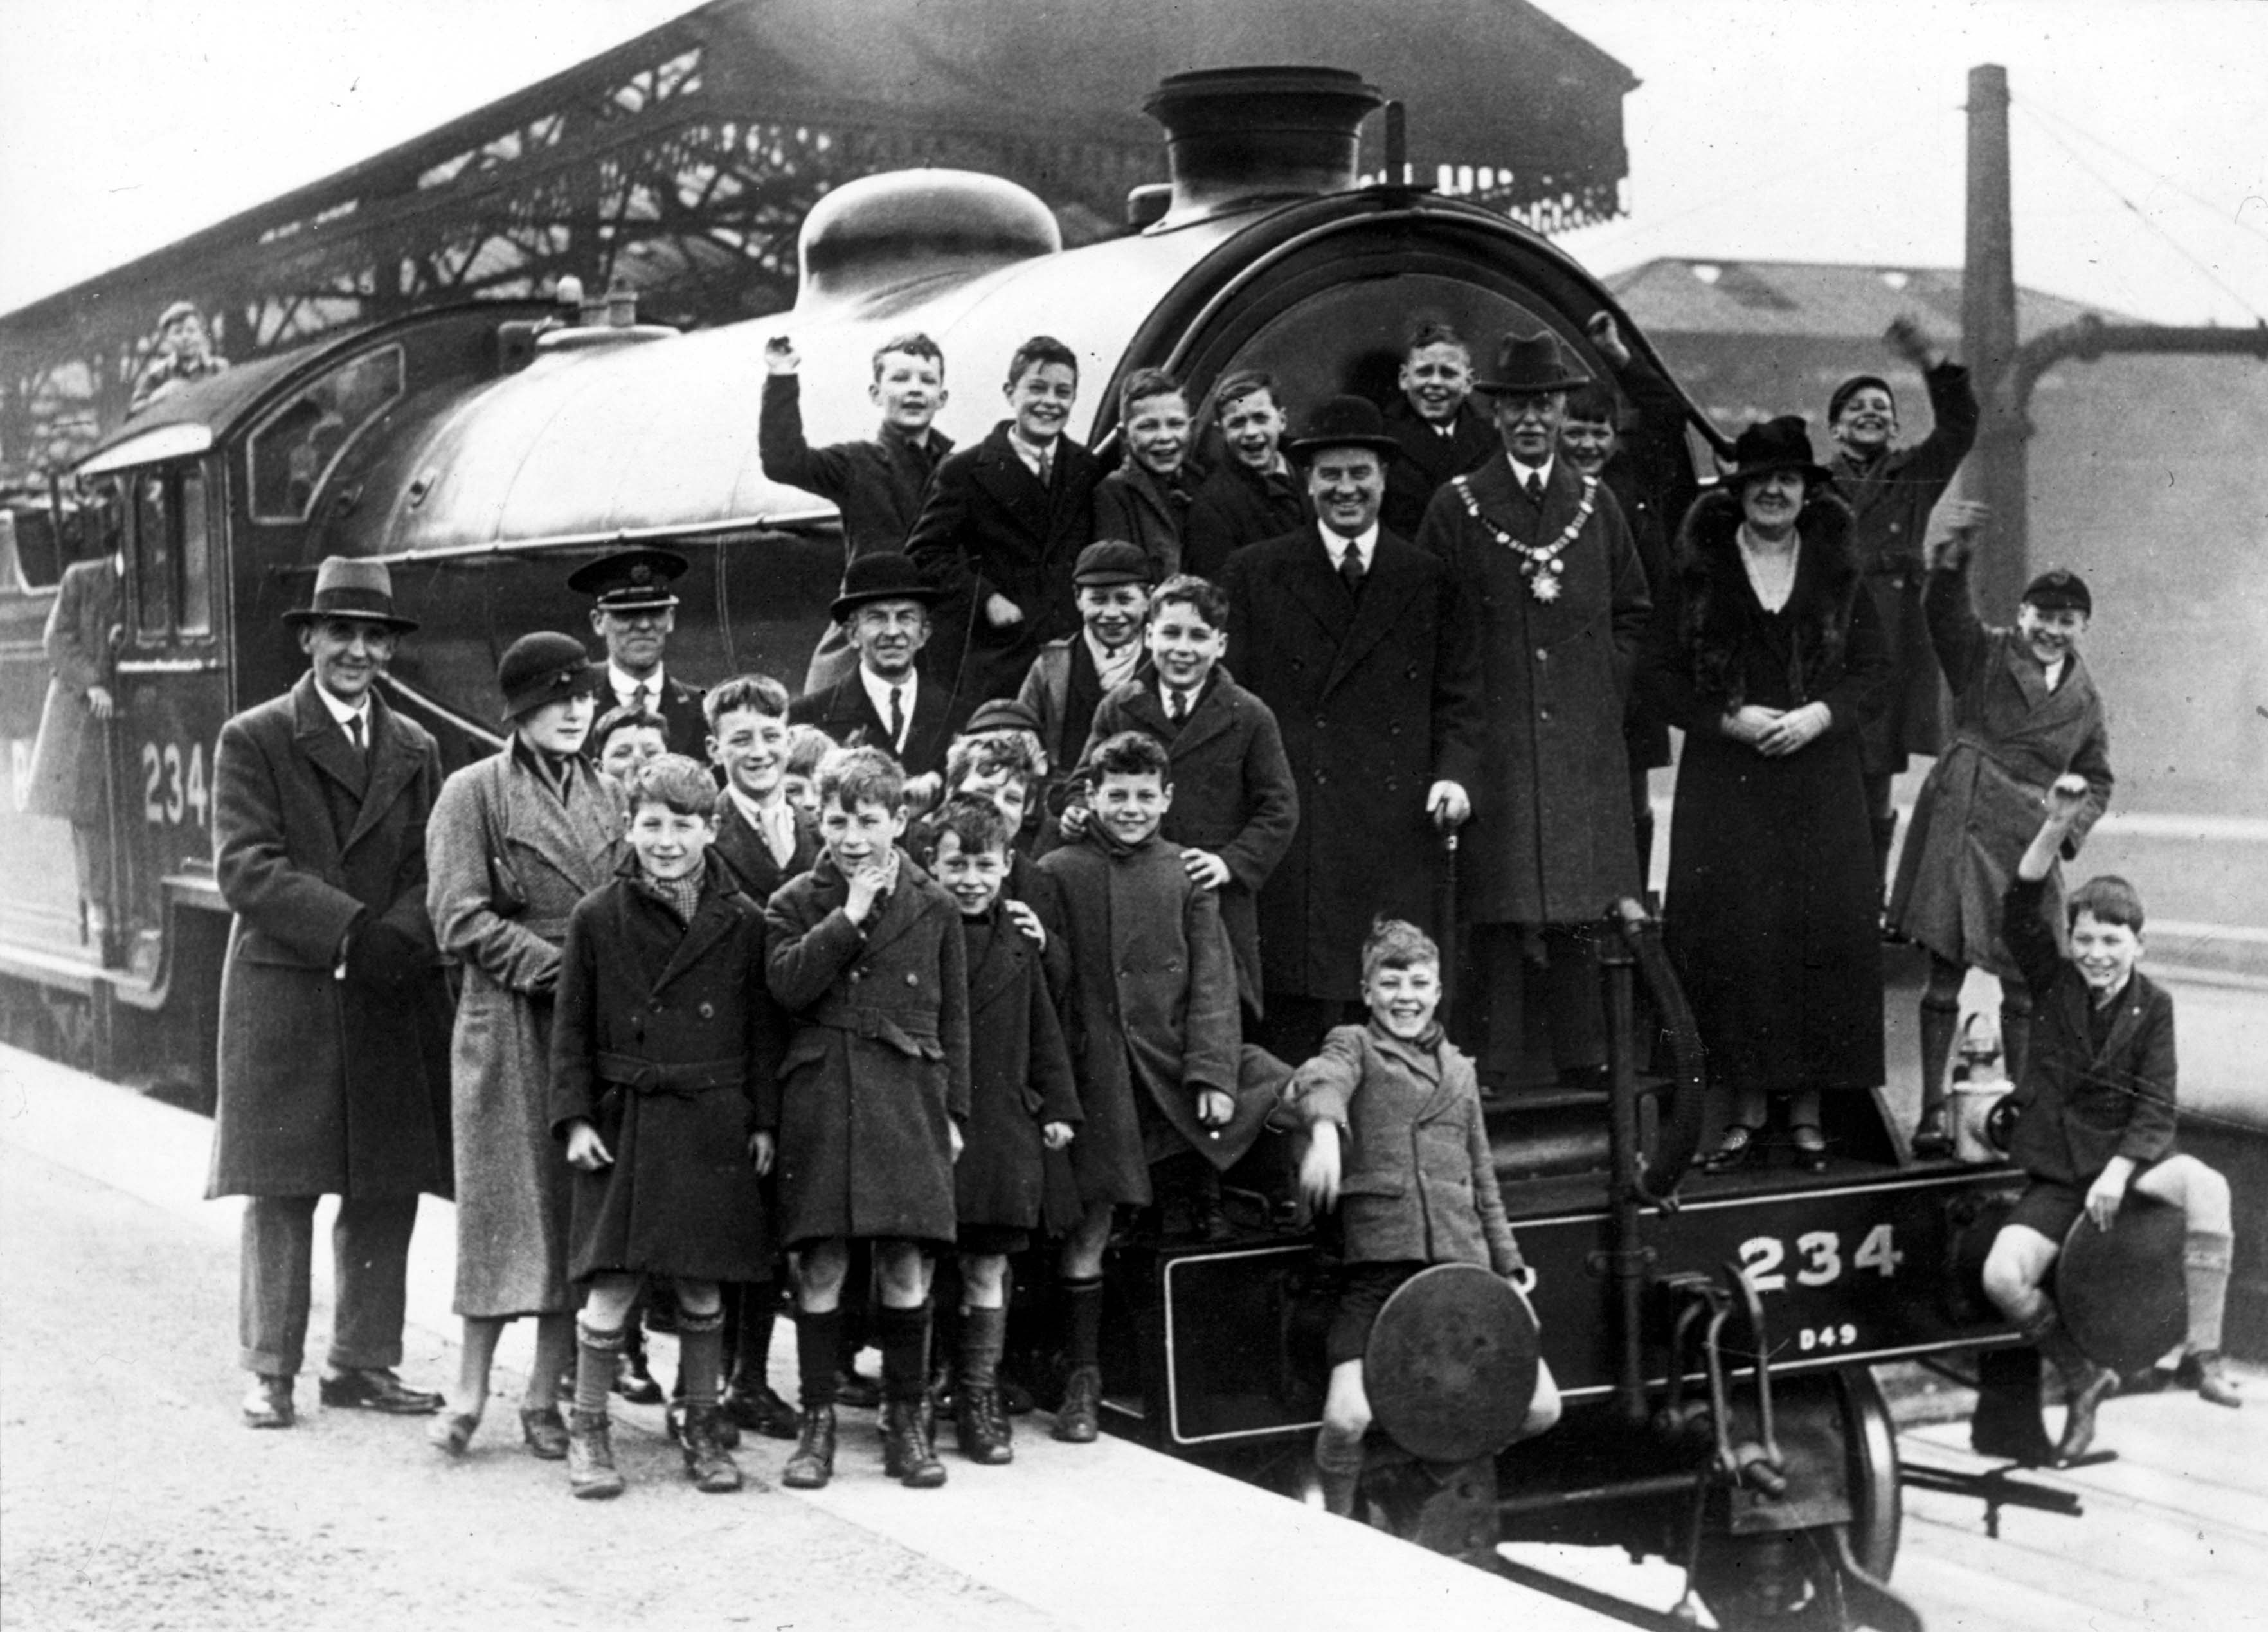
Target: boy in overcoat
[
  {"x": 2096, "y": 1119},
  {"x": 660, "y": 1090},
  {"x": 1071, "y": 676},
  {"x": 1372, "y": 673},
  {"x": 1235, "y": 807},
  {"x": 1147, "y": 500},
  {"x": 1436, "y": 431},
  {"x": 1002, "y": 528},
  {"x": 2025, "y": 712},
  {"x": 334, "y": 1011},
  {"x": 1154, "y": 1033},
  {"x": 1022, "y": 1105},
  {"x": 1416, "y": 1187},
  {"x": 1253, "y": 492},
  {"x": 866, "y": 954}
]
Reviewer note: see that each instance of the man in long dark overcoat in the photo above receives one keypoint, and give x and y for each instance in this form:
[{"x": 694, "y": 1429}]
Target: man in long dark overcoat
[
  {"x": 334, "y": 1016},
  {"x": 1563, "y": 608},
  {"x": 69, "y": 776},
  {"x": 1891, "y": 491},
  {"x": 1374, "y": 672}
]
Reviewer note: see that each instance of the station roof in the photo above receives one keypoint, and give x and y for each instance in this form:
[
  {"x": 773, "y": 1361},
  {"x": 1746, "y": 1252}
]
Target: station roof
[{"x": 1807, "y": 300}]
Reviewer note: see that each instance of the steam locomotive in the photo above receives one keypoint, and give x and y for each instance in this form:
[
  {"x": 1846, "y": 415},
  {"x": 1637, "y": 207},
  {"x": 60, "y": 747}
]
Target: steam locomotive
[{"x": 1712, "y": 1336}]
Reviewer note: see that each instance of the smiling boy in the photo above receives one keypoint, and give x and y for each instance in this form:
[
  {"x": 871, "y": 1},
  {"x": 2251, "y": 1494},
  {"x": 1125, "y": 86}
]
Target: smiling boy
[
  {"x": 1147, "y": 498},
  {"x": 866, "y": 955},
  {"x": 1002, "y": 526},
  {"x": 1072, "y": 676},
  {"x": 1254, "y": 494},
  {"x": 1438, "y": 432}
]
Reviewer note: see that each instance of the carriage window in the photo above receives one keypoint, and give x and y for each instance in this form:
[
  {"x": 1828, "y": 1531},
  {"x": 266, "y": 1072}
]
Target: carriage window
[
  {"x": 295, "y": 450},
  {"x": 196, "y": 556},
  {"x": 153, "y": 555}
]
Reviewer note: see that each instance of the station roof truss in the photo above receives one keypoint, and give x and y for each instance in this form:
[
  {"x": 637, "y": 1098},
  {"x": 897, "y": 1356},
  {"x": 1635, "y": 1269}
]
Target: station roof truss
[{"x": 684, "y": 160}]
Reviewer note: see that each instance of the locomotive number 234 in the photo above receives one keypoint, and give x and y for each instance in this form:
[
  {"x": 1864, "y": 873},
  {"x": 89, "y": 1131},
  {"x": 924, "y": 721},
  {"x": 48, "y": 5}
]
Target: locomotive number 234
[
  {"x": 1818, "y": 1258},
  {"x": 173, "y": 788}
]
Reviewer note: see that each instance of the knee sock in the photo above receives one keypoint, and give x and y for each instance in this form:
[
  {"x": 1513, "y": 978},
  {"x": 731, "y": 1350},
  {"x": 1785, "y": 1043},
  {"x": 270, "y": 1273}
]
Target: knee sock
[
  {"x": 2015, "y": 1031},
  {"x": 983, "y": 1333},
  {"x": 700, "y": 1356},
  {"x": 1083, "y": 1322},
  {"x": 903, "y": 1336},
  {"x": 817, "y": 1339},
  {"x": 752, "y": 1343},
  {"x": 1338, "y": 1458},
  {"x": 1938, "y": 1021},
  {"x": 2205, "y": 1268},
  {"x": 595, "y": 1348}
]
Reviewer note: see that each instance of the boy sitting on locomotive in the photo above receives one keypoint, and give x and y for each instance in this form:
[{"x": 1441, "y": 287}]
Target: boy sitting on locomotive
[
  {"x": 2096, "y": 1119},
  {"x": 1409, "y": 1203}
]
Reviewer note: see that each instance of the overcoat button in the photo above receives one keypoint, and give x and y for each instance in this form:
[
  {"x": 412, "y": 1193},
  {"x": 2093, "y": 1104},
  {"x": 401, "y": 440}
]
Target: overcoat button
[
  {"x": 912, "y": 979},
  {"x": 708, "y": 1011}
]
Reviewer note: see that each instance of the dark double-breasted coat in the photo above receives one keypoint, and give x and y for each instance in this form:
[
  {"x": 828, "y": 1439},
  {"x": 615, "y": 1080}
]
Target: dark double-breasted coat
[
  {"x": 1426, "y": 459},
  {"x": 1774, "y": 909},
  {"x": 1152, "y": 1010},
  {"x": 877, "y": 1062},
  {"x": 1234, "y": 793},
  {"x": 1020, "y": 1078},
  {"x": 1549, "y": 841},
  {"x": 1417, "y": 1183},
  {"x": 1377, "y": 696},
  {"x": 67, "y": 769},
  {"x": 1134, "y": 503},
  {"x": 2012, "y": 737},
  {"x": 503, "y": 823},
  {"x": 743, "y": 849},
  {"x": 878, "y": 484},
  {"x": 328, "y": 1085},
  {"x": 1890, "y": 500},
  {"x": 663, "y": 1033},
  {"x": 1238, "y": 505},
  {"x": 2078, "y": 1105},
  {"x": 846, "y": 713},
  {"x": 989, "y": 528}
]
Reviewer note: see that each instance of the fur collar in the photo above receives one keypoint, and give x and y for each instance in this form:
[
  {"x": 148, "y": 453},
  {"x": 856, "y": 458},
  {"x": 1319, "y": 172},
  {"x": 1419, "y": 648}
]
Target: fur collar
[{"x": 1717, "y": 608}]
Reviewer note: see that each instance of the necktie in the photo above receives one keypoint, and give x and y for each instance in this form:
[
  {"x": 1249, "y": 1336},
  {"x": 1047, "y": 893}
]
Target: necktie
[
  {"x": 1177, "y": 705},
  {"x": 1535, "y": 489},
  {"x": 1351, "y": 570},
  {"x": 354, "y": 731},
  {"x": 644, "y": 696},
  {"x": 897, "y": 717},
  {"x": 1046, "y": 465},
  {"x": 779, "y": 834}
]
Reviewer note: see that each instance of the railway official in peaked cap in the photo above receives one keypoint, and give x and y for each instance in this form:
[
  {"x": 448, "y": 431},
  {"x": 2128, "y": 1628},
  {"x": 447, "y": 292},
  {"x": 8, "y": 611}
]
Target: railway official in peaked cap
[
  {"x": 346, "y": 588},
  {"x": 1531, "y": 364},
  {"x": 885, "y": 575},
  {"x": 630, "y": 580},
  {"x": 1344, "y": 423},
  {"x": 542, "y": 667},
  {"x": 1769, "y": 445}
]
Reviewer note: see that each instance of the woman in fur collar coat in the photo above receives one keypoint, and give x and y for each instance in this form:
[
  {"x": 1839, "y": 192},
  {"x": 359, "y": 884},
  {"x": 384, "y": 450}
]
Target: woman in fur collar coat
[{"x": 1772, "y": 660}]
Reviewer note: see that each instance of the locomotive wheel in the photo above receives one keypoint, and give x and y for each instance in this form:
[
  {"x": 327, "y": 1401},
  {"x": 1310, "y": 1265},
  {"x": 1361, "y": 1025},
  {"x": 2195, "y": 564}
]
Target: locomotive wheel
[{"x": 1791, "y": 1582}]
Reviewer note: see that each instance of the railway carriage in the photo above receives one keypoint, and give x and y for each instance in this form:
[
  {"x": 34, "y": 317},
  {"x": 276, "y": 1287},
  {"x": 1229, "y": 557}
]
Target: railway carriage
[{"x": 1711, "y": 1342}]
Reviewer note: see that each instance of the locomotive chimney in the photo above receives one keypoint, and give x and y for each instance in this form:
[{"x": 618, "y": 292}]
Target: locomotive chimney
[{"x": 1236, "y": 137}]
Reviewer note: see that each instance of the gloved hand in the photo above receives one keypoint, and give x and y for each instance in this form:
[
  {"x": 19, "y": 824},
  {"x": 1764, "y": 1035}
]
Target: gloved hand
[{"x": 382, "y": 954}]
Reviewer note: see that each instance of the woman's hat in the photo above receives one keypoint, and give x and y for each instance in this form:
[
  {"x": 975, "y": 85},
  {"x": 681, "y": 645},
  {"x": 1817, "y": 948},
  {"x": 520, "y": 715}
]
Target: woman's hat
[
  {"x": 630, "y": 580},
  {"x": 540, "y": 668},
  {"x": 1344, "y": 423},
  {"x": 352, "y": 589},
  {"x": 1770, "y": 445},
  {"x": 1526, "y": 364},
  {"x": 885, "y": 575}
]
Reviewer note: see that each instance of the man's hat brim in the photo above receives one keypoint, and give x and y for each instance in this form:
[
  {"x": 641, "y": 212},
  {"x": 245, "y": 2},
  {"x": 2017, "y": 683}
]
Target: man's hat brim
[
  {"x": 299, "y": 616},
  {"x": 927, "y": 594},
  {"x": 1308, "y": 447},
  {"x": 1522, "y": 388}
]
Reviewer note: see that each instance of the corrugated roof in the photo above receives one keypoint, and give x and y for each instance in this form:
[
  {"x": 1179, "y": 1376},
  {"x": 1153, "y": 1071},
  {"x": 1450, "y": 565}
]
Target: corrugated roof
[{"x": 1824, "y": 300}]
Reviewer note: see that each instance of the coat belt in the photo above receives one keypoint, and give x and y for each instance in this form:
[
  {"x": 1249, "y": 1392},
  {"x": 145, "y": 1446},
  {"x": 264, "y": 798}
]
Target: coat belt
[
  {"x": 874, "y": 1025},
  {"x": 685, "y": 1079}
]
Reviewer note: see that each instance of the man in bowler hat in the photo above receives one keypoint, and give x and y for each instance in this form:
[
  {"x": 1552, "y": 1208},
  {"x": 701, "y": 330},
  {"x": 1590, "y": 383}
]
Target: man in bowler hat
[
  {"x": 1369, "y": 654},
  {"x": 888, "y": 703},
  {"x": 334, "y": 1012},
  {"x": 1563, "y": 605},
  {"x": 634, "y": 610}
]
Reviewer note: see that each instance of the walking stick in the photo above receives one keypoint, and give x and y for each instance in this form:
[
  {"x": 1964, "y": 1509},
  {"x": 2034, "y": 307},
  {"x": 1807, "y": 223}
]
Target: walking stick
[{"x": 1445, "y": 919}]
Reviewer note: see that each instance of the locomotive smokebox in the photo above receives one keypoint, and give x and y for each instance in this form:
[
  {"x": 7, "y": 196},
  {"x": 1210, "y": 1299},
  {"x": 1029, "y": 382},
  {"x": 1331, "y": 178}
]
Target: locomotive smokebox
[{"x": 1238, "y": 136}]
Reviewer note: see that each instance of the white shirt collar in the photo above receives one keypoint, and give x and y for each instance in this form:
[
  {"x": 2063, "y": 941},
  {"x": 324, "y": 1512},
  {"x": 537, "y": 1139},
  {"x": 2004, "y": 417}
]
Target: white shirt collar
[
  {"x": 1520, "y": 472},
  {"x": 1032, "y": 453},
  {"x": 340, "y": 712},
  {"x": 2052, "y": 673},
  {"x": 877, "y": 693},
  {"x": 625, "y": 684},
  {"x": 757, "y": 814},
  {"x": 1335, "y": 545}
]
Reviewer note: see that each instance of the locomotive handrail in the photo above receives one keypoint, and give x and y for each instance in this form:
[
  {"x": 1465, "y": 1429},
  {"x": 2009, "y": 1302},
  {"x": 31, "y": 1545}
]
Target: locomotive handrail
[{"x": 1676, "y": 1144}]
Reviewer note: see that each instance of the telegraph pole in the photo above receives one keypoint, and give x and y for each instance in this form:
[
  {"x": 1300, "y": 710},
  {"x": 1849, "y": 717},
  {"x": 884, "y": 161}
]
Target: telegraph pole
[{"x": 1988, "y": 341}]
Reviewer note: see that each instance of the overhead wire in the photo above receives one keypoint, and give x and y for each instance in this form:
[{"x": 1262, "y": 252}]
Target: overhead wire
[{"x": 2219, "y": 212}]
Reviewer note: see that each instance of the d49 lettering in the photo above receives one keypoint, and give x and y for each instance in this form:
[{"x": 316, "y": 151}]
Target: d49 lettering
[
  {"x": 1818, "y": 1259},
  {"x": 1812, "y": 1339}
]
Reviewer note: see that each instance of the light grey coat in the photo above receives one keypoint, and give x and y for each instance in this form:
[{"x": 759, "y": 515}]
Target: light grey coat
[{"x": 512, "y": 1177}]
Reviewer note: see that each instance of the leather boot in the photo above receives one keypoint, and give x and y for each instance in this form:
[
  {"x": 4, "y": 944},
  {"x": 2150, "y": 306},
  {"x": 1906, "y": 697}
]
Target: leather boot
[
  {"x": 980, "y": 1424},
  {"x": 707, "y": 1463},
  {"x": 591, "y": 1456},
  {"x": 1078, "y": 1418},
  {"x": 812, "y": 1462},
  {"x": 909, "y": 1454},
  {"x": 2086, "y": 1385},
  {"x": 2201, "y": 1369},
  {"x": 1932, "y": 1135}
]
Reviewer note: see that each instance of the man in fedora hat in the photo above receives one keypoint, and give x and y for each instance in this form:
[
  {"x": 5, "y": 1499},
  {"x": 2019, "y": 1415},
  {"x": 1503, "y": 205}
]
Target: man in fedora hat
[
  {"x": 1368, "y": 653},
  {"x": 334, "y": 1013},
  {"x": 1547, "y": 552},
  {"x": 633, "y": 609},
  {"x": 884, "y": 611},
  {"x": 1891, "y": 491}
]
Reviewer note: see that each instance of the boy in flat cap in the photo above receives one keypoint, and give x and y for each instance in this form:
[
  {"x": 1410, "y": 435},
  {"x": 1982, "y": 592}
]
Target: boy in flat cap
[
  {"x": 633, "y": 610},
  {"x": 888, "y": 703},
  {"x": 1072, "y": 676},
  {"x": 2025, "y": 712}
]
